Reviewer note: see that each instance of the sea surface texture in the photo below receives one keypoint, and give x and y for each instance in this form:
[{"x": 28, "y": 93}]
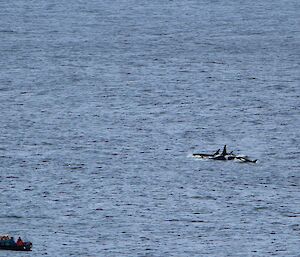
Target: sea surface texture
[{"x": 104, "y": 102}]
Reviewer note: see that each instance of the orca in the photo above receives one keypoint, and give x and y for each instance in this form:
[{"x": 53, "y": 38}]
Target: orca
[
  {"x": 224, "y": 152},
  {"x": 224, "y": 156},
  {"x": 245, "y": 159},
  {"x": 205, "y": 155}
]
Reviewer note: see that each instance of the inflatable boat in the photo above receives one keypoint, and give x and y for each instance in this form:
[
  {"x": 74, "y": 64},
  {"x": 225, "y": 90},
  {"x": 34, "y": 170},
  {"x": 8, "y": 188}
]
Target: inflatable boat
[{"x": 8, "y": 243}]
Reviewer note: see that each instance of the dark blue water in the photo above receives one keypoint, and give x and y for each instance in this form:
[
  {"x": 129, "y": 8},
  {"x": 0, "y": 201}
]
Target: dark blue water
[{"x": 103, "y": 103}]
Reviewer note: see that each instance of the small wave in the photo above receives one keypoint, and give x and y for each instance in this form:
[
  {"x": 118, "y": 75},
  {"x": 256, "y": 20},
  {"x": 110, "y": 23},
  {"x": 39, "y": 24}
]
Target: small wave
[
  {"x": 7, "y": 31},
  {"x": 206, "y": 197},
  {"x": 13, "y": 177},
  {"x": 74, "y": 166},
  {"x": 10, "y": 217},
  {"x": 185, "y": 220},
  {"x": 291, "y": 214}
]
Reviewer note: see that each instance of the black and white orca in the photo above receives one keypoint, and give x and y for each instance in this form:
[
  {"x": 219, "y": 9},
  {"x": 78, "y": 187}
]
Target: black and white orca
[
  {"x": 206, "y": 156},
  {"x": 244, "y": 159},
  {"x": 224, "y": 156}
]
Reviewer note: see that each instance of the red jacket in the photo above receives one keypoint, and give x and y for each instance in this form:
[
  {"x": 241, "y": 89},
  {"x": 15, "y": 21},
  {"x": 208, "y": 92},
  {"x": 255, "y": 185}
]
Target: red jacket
[{"x": 20, "y": 242}]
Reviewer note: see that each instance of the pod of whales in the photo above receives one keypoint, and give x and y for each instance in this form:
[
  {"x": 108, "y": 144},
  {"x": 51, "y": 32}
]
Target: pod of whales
[{"x": 224, "y": 156}]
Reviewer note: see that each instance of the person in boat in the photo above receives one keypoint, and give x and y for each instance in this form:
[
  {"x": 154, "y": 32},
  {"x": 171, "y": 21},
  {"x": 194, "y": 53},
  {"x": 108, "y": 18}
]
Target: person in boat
[
  {"x": 20, "y": 242},
  {"x": 5, "y": 237},
  {"x": 12, "y": 240}
]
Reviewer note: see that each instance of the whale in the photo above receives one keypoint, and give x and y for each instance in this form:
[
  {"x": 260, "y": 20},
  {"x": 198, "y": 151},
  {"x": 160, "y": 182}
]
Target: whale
[
  {"x": 244, "y": 159},
  {"x": 224, "y": 156},
  {"x": 205, "y": 155}
]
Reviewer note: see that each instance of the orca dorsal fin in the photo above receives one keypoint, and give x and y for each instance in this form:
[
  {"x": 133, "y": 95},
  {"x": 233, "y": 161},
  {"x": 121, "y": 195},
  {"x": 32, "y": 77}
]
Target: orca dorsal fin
[
  {"x": 224, "y": 151},
  {"x": 217, "y": 152}
]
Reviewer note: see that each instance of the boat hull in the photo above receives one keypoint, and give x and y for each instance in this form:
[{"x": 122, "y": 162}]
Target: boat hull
[{"x": 15, "y": 248}]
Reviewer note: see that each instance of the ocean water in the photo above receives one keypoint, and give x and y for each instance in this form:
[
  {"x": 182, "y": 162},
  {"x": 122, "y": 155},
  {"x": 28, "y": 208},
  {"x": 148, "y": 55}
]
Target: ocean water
[{"x": 104, "y": 102}]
